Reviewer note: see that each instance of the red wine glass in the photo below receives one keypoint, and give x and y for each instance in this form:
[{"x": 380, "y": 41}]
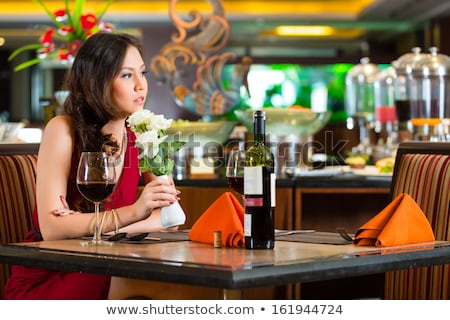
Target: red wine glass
[
  {"x": 235, "y": 170},
  {"x": 96, "y": 179}
]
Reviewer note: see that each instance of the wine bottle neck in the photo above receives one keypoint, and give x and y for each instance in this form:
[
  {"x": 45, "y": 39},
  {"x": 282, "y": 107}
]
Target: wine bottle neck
[{"x": 259, "y": 128}]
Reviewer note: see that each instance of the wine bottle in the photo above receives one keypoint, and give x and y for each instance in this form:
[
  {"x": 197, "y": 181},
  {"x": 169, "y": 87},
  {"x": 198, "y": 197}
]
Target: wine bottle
[{"x": 259, "y": 189}]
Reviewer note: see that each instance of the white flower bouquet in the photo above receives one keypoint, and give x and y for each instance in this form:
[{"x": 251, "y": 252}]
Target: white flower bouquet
[{"x": 155, "y": 155}]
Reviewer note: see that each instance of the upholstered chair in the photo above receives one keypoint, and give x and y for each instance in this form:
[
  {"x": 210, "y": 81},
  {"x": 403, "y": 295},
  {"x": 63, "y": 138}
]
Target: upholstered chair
[
  {"x": 422, "y": 170},
  {"x": 17, "y": 198}
]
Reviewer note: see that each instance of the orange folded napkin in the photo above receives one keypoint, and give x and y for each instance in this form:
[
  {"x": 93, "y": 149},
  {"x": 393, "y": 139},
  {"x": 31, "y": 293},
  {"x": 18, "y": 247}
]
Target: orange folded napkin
[
  {"x": 400, "y": 222},
  {"x": 226, "y": 214}
]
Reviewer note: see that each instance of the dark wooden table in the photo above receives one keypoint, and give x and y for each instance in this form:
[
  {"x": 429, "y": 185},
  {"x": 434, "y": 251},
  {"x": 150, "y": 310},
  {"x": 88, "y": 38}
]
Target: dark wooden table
[{"x": 229, "y": 269}]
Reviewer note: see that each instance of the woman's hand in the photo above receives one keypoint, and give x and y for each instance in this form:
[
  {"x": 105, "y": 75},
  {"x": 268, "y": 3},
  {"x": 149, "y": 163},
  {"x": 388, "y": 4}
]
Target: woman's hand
[
  {"x": 65, "y": 210},
  {"x": 156, "y": 194}
]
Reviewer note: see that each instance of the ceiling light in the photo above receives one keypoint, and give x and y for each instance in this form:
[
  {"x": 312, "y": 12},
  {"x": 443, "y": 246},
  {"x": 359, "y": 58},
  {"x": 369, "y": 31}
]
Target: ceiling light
[
  {"x": 304, "y": 31},
  {"x": 313, "y": 32}
]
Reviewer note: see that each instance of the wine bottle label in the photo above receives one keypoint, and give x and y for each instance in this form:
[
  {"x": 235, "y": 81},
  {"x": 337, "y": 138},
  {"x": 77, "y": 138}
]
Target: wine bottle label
[
  {"x": 247, "y": 225},
  {"x": 253, "y": 177},
  {"x": 253, "y": 202},
  {"x": 272, "y": 189}
]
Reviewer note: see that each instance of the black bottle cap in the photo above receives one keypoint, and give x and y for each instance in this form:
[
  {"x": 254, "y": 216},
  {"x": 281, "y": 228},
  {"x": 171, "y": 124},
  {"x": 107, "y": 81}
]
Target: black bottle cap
[{"x": 259, "y": 114}]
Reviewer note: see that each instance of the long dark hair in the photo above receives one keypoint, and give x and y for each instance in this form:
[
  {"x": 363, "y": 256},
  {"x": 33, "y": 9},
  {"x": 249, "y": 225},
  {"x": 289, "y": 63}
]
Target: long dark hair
[{"x": 89, "y": 104}]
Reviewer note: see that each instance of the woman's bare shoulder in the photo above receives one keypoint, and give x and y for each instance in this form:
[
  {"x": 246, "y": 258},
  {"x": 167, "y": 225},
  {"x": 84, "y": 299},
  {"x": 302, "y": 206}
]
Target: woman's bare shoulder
[
  {"x": 59, "y": 122},
  {"x": 57, "y": 134}
]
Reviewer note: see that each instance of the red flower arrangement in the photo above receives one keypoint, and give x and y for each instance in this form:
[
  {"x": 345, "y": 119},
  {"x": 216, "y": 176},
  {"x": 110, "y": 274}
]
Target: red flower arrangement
[{"x": 70, "y": 30}]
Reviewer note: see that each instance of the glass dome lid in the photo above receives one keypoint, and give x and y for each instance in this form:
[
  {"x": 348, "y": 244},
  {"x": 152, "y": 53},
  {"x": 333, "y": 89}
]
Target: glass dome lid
[
  {"x": 432, "y": 64},
  {"x": 365, "y": 72},
  {"x": 406, "y": 63}
]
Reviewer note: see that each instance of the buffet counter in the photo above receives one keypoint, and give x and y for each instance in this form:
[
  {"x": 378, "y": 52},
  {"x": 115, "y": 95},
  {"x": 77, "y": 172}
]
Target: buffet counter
[{"x": 322, "y": 203}]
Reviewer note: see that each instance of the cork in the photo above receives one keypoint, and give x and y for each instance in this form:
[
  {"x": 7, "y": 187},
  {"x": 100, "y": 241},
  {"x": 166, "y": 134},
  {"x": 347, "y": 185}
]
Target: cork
[{"x": 217, "y": 239}]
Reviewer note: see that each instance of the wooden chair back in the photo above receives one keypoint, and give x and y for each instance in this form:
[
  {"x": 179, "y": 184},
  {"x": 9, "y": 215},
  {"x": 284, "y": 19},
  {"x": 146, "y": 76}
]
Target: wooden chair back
[
  {"x": 17, "y": 199},
  {"x": 422, "y": 170}
]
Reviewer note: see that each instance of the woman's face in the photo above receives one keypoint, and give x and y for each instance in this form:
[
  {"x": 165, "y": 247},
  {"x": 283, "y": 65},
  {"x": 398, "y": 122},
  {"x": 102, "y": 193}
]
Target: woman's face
[{"x": 129, "y": 88}]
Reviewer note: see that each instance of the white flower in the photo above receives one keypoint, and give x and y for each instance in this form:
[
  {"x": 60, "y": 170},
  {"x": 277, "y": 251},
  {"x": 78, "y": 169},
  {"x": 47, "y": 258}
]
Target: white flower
[
  {"x": 158, "y": 122},
  {"x": 148, "y": 142},
  {"x": 139, "y": 120},
  {"x": 145, "y": 120},
  {"x": 155, "y": 152}
]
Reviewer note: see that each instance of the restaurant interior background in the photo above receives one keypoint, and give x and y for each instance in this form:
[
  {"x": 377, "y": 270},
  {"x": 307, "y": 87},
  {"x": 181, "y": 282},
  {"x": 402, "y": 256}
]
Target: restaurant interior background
[{"x": 381, "y": 30}]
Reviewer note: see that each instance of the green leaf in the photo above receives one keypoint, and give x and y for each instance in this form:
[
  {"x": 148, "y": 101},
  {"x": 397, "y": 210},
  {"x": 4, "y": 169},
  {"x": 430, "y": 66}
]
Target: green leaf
[
  {"x": 159, "y": 171},
  {"x": 170, "y": 163},
  {"x": 176, "y": 145},
  {"x": 77, "y": 12},
  {"x": 31, "y": 62},
  {"x": 25, "y": 48},
  {"x": 27, "y": 64},
  {"x": 50, "y": 14},
  {"x": 69, "y": 17},
  {"x": 102, "y": 11}
]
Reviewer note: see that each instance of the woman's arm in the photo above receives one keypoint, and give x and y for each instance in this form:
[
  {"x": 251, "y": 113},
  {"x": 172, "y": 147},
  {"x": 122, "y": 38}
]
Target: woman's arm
[
  {"x": 151, "y": 224},
  {"x": 54, "y": 161}
]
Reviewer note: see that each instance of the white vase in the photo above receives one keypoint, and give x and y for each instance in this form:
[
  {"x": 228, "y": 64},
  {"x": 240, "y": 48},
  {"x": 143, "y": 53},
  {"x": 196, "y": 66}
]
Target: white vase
[
  {"x": 173, "y": 215},
  {"x": 61, "y": 96}
]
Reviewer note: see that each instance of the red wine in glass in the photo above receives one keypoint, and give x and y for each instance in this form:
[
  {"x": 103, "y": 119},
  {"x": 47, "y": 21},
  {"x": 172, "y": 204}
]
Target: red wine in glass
[
  {"x": 236, "y": 183},
  {"x": 235, "y": 170},
  {"x": 96, "y": 190},
  {"x": 96, "y": 178}
]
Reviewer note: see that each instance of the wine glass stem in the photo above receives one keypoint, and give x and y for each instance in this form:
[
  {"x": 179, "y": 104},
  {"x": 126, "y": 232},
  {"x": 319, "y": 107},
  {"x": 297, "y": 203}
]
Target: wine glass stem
[{"x": 96, "y": 237}]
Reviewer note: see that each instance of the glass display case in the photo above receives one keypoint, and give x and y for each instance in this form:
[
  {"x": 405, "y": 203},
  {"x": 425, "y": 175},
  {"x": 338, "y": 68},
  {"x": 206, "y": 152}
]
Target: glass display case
[{"x": 320, "y": 87}]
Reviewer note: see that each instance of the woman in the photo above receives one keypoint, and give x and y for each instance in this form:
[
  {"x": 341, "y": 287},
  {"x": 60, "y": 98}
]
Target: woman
[{"x": 107, "y": 84}]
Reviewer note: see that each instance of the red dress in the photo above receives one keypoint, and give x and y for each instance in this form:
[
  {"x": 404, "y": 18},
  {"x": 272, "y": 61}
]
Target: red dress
[{"x": 28, "y": 283}]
